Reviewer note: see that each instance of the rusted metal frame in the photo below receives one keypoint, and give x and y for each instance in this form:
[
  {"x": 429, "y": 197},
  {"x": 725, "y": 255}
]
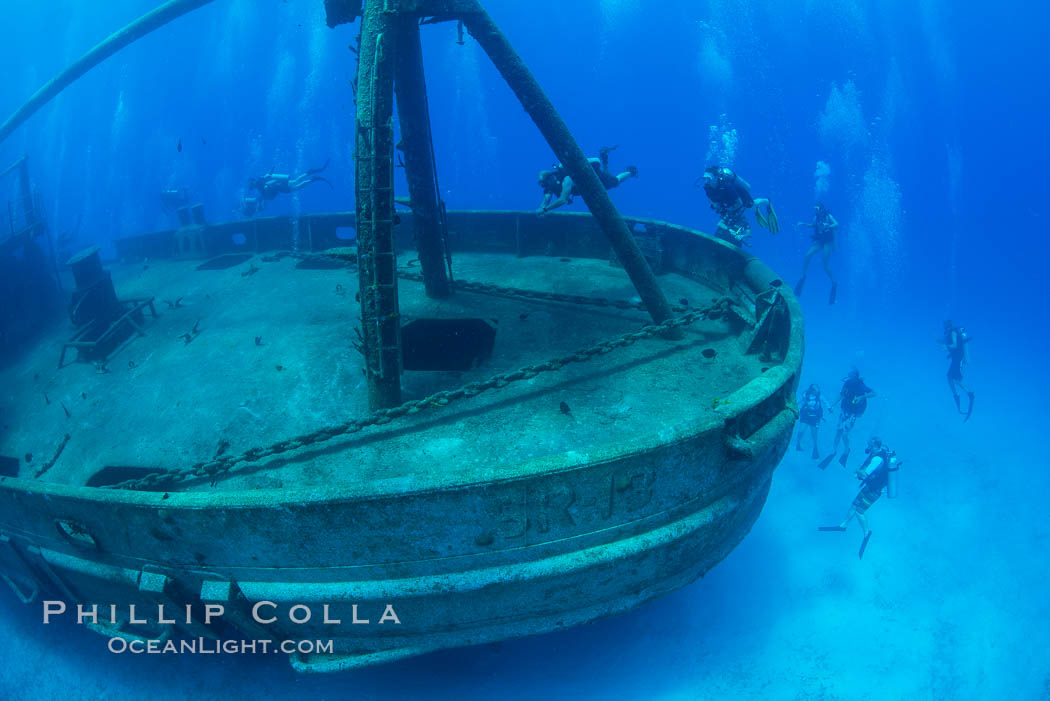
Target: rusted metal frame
[
  {"x": 343, "y": 11},
  {"x": 137, "y": 306},
  {"x": 420, "y": 170},
  {"x": 374, "y": 151}
]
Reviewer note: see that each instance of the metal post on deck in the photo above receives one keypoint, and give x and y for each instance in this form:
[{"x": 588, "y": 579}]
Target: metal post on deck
[
  {"x": 557, "y": 134},
  {"x": 414, "y": 118},
  {"x": 374, "y": 154}
]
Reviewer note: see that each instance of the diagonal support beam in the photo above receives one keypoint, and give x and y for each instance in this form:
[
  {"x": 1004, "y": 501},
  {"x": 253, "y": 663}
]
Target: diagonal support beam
[{"x": 556, "y": 132}]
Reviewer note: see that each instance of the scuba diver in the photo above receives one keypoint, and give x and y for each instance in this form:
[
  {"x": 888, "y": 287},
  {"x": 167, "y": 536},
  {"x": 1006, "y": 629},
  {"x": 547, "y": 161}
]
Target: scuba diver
[
  {"x": 557, "y": 183},
  {"x": 823, "y": 225},
  {"x": 730, "y": 196},
  {"x": 271, "y": 185},
  {"x": 877, "y": 472},
  {"x": 853, "y": 400},
  {"x": 811, "y": 413},
  {"x": 957, "y": 341}
]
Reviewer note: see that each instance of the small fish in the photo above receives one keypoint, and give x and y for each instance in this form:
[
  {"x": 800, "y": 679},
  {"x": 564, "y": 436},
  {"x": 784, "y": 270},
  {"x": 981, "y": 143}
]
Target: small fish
[
  {"x": 196, "y": 330},
  {"x": 179, "y": 147},
  {"x": 258, "y": 340},
  {"x": 68, "y": 415},
  {"x": 565, "y": 408},
  {"x": 46, "y": 400},
  {"x": 278, "y": 367}
]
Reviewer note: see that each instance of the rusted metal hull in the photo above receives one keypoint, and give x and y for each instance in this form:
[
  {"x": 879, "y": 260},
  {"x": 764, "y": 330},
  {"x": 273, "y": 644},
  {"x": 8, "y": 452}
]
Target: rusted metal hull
[{"x": 557, "y": 542}]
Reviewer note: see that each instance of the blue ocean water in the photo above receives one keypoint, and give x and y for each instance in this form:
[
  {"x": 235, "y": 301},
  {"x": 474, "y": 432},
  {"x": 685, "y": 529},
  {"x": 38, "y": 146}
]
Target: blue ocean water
[{"x": 921, "y": 124}]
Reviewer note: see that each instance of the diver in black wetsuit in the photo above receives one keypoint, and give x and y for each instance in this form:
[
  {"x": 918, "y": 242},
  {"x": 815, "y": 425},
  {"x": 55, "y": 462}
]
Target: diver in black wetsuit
[
  {"x": 730, "y": 196},
  {"x": 877, "y": 472},
  {"x": 271, "y": 185},
  {"x": 956, "y": 340},
  {"x": 559, "y": 189},
  {"x": 824, "y": 225},
  {"x": 853, "y": 401},
  {"x": 811, "y": 412}
]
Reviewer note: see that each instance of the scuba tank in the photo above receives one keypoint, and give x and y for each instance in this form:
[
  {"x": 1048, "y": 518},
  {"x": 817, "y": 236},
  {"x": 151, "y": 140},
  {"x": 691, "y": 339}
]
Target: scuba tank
[
  {"x": 811, "y": 405},
  {"x": 891, "y": 477},
  {"x": 964, "y": 343}
]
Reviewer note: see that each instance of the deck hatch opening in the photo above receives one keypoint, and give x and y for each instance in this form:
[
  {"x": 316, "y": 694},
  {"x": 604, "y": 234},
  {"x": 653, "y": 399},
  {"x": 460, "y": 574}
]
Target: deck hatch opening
[
  {"x": 8, "y": 466},
  {"x": 115, "y": 474},
  {"x": 446, "y": 344}
]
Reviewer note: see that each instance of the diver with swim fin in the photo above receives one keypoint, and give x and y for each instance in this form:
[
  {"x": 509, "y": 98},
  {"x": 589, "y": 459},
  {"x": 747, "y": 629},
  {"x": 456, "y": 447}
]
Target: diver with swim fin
[
  {"x": 878, "y": 472},
  {"x": 730, "y": 197},
  {"x": 957, "y": 342}
]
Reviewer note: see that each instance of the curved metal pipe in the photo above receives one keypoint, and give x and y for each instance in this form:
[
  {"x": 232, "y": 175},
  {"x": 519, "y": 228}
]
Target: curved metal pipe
[{"x": 116, "y": 41}]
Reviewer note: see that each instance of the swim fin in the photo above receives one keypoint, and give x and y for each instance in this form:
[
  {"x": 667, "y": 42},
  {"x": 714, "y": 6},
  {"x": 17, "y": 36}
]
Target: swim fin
[
  {"x": 842, "y": 460},
  {"x": 958, "y": 406},
  {"x": 834, "y": 291},
  {"x": 863, "y": 545},
  {"x": 771, "y": 218},
  {"x": 798, "y": 286},
  {"x": 761, "y": 218},
  {"x": 826, "y": 461},
  {"x": 768, "y": 219},
  {"x": 831, "y": 529},
  {"x": 969, "y": 412},
  {"x": 314, "y": 171}
]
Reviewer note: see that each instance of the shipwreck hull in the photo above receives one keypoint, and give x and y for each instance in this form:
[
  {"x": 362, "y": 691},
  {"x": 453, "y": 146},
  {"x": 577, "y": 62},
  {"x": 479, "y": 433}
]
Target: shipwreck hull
[{"x": 551, "y": 543}]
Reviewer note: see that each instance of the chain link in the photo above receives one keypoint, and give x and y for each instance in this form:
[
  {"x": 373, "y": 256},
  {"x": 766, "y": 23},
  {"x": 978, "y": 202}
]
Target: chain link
[{"x": 221, "y": 465}]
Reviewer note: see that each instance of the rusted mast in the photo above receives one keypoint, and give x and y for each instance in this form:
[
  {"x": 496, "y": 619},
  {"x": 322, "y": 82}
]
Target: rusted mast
[
  {"x": 556, "y": 132},
  {"x": 376, "y": 255},
  {"x": 414, "y": 118}
]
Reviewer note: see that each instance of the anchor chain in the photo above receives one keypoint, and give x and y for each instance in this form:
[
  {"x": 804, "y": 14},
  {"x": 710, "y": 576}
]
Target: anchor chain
[{"x": 221, "y": 465}]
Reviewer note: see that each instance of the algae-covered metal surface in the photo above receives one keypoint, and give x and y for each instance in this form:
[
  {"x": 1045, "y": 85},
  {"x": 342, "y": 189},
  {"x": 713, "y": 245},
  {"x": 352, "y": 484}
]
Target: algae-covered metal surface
[{"x": 538, "y": 504}]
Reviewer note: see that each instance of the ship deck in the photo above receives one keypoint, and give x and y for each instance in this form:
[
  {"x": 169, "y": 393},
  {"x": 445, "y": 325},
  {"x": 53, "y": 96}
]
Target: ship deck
[{"x": 166, "y": 403}]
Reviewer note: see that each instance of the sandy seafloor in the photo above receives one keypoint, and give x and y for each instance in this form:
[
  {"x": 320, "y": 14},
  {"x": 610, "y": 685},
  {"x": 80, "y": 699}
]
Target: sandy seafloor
[{"x": 951, "y": 600}]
